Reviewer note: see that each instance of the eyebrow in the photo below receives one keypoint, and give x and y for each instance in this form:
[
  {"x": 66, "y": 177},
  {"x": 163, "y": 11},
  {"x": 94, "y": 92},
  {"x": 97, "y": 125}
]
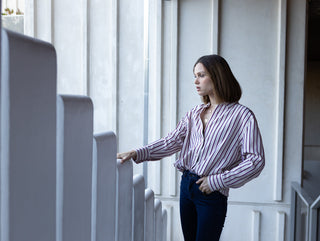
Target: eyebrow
[{"x": 201, "y": 72}]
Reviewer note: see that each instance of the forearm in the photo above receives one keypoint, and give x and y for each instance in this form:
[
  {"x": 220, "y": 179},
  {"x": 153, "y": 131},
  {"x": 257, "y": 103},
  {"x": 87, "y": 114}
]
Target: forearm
[
  {"x": 157, "y": 150},
  {"x": 238, "y": 176}
]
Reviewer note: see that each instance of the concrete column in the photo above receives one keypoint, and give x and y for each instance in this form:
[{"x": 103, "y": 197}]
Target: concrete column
[
  {"x": 158, "y": 220},
  {"x": 74, "y": 168},
  {"x": 164, "y": 225},
  {"x": 124, "y": 201},
  {"x": 103, "y": 187},
  {"x": 138, "y": 208},
  {"x": 28, "y": 139},
  {"x": 149, "y": 215}
]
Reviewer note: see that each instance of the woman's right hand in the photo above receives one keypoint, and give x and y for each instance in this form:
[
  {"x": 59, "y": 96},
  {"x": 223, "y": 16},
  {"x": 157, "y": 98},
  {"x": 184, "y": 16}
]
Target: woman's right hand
[{"x": 125, "y": 156}]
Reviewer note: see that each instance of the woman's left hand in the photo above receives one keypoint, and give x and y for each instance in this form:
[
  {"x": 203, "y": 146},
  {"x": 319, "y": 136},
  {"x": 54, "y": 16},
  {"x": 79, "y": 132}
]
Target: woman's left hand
[{"x": 204, "y": 185}]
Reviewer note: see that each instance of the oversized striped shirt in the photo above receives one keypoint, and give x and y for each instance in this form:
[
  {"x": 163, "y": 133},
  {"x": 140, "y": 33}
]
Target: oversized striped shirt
[{"x": 229, "y": 150}]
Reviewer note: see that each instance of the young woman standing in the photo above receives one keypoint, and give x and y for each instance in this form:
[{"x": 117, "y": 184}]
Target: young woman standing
[{"x": 220, "y": 148}]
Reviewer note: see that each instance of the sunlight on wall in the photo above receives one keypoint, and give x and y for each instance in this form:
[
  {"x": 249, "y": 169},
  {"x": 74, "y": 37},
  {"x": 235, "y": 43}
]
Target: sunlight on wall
[
  {"x": 12, "y": 14},
  {"x": 15, "y": 5}
]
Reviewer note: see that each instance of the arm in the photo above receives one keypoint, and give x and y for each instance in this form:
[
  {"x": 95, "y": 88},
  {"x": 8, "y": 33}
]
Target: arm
[
  {"x": 166, "y": 146},
  {"x": 163, "y": 147},
  {"x": 252, "y": 163}
]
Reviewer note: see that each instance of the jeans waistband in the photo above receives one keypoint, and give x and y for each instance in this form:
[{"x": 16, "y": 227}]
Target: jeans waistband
[{"x": 190, "y": 174}]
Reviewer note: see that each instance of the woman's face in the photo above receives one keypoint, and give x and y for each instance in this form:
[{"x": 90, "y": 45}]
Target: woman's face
[{"x": 203, "y": 82}]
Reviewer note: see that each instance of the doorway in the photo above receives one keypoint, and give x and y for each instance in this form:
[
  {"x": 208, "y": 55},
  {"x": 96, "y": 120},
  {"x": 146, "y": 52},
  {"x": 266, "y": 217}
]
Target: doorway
[{"x": 311, "y": 159}]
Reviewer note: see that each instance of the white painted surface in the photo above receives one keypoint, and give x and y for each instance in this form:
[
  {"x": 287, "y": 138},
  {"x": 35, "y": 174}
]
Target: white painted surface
[
  {"x": 138, "y": 208},
  {"x": 102, "y": 62},
  {"x": 130, "y": 73},
  {"x": 13, "y": 4},
  {"x": 103, "y": 187},
  {"x": 14, "y": 23},
  {"x": 158, "y": 220},
  {"x": 280, "y": 226},
  {"x": 164, "y": 224},
  {"x": 155, "y": 88},
  {"x": 74, "y": 167},
  {"x": 72, "y": 77},
  {"x": 28, "y": 126},
  {"x": 256, "y": 225},
  {"x": 149, "y": 215},
  {"x": 124, "y": 201}
]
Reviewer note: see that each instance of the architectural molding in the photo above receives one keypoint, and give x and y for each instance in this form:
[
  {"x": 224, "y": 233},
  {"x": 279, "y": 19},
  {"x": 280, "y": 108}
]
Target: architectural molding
[
  {"x": 215, "y": 26},
  {"x": 86, "y": 46},
  {"x": 155, "y": 86},
  {"x": 115, "y": 66},
  {"x": 29, "y": 26},
  {"x": 173, "y": 95},
  {"x": 256, "y": 216},
  {"x": 281, "y": 57},
  {"x": 281, "y": 224},
  {"x": 169, "y": 209}
]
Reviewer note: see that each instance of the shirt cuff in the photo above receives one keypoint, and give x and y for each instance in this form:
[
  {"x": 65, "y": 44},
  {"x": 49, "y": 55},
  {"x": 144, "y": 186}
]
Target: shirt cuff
[
  {"x": 216, "y": 182},
  {"x": 142, "y": 154}
]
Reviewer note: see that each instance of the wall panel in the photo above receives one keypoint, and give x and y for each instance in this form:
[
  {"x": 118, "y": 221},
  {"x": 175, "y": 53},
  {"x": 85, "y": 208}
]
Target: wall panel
[
  {"x": 248, "y": 41},
  {"x": 169, "y": 86},
  {"x": 70, "y": 41},
  {"x": 102, "y": 48},
  {"x": 130, "y": 73}
]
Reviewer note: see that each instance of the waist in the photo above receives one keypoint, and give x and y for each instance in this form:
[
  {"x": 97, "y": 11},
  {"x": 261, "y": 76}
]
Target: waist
[{"x": 190, "y": 174}]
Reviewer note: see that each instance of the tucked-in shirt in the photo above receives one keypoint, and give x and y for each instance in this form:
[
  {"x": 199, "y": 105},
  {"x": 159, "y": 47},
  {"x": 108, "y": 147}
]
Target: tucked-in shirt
[{"x": 229, "y": 150}]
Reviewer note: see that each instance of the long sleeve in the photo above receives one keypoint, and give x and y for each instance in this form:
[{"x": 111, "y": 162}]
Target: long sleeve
[
  {"x": 166, "y": 146},
  {"x": 251, "y": 165}
]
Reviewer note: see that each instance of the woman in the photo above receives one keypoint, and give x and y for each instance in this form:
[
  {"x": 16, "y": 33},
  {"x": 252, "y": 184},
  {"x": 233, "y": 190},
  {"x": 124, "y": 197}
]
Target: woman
[{"x": 220, "y": 148}]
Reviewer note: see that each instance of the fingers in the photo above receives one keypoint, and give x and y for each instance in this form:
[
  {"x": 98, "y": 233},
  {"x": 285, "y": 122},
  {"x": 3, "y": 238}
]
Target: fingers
[
  {"x": 125, "y": 156},
  {"x": 200, "y": 180},
  {"x": 204, "y": 186},
  {"x": 124, "y": 159}
]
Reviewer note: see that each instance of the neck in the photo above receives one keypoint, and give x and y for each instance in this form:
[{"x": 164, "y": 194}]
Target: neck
[{"x": 214, "y": 101}]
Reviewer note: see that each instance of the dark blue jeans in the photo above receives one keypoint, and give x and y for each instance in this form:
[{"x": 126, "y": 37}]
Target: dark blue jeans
[{"x": 202, "y": 216}]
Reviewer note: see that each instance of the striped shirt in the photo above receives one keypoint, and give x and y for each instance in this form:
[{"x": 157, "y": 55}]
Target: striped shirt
[{"x": 229, "y": 150}]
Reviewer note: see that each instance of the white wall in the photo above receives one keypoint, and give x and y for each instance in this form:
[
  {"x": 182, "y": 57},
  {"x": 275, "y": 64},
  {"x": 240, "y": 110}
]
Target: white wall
[
  {"x": 101, "y": 53},
  {"x": 13, "y": 4}
]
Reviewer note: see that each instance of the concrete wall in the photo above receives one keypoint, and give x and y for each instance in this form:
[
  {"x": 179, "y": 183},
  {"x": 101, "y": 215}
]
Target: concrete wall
[
  {"x": 13, "y": 4},
  {"x": 102, "y": 53}
]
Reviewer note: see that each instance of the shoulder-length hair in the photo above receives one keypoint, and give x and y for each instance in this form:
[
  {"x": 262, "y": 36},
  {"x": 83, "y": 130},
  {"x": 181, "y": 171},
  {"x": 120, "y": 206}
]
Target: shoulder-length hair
[{"x": 225, "y": 84}]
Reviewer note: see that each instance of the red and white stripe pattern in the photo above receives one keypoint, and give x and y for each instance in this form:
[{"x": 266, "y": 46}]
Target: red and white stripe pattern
[{"x": 229, "y": 150}]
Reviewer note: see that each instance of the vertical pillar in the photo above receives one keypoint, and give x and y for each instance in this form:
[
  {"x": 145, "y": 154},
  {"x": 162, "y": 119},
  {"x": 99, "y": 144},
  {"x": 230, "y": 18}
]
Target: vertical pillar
[
  {"x": 149, "y": 215},
  {"x": 124, "y": 201},
  {"x": 158, "y": 220},
  {"x": 103, "y": 187},
  {"x": 74, "y": 168},
  {"x": 164, "y": 225},
  {"x": 28, "y": 139},
  {"x": 138, "y": 208}
]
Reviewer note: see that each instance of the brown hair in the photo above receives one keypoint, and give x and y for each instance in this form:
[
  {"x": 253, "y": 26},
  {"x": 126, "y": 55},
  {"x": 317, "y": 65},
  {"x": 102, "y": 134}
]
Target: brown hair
[{"x": 225, "y": 84}]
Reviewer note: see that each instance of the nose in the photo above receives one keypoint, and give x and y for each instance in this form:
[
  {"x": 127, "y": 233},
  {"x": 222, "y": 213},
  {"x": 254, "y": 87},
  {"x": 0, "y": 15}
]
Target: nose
[{"x": 196, "y": 81}]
